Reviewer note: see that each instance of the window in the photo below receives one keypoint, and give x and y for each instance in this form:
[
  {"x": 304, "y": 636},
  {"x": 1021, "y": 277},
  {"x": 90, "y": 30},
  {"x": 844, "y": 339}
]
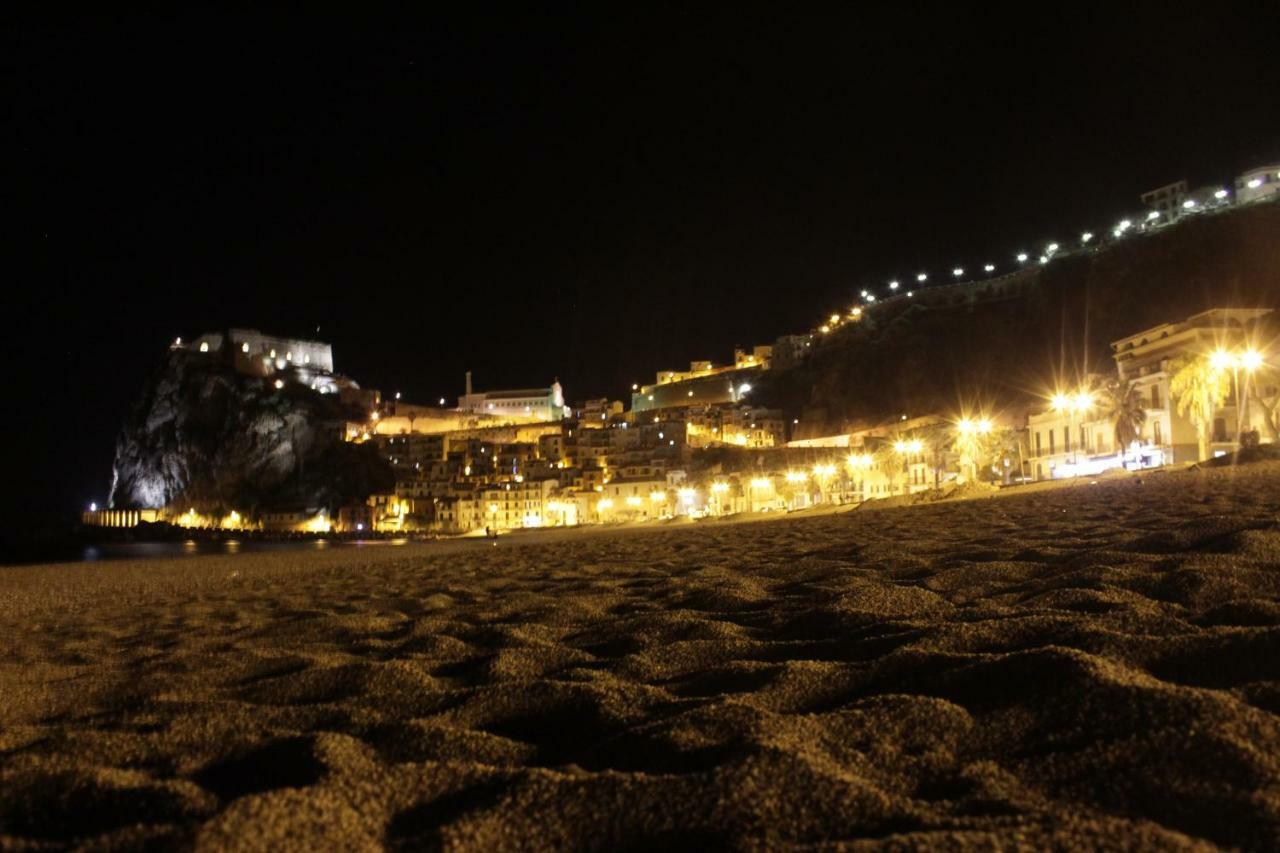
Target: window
[
  {"x": 1155, "y": 433},
  {"x": 1038, "y": 453},
  {"x": 1051, "y": 448},
  {"x": 1155, "y": 396},
  {"x": 1219, "y": 429},
  {"x": 1066, "y": 439}
]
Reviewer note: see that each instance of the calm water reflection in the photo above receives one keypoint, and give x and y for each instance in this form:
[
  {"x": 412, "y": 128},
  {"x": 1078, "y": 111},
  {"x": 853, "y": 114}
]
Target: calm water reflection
[{"x": 194, "y": 547}]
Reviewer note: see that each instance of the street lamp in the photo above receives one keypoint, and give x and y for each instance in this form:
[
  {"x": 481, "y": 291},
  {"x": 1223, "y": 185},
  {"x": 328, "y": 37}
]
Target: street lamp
[
  {"x": 1022, "y": 257},
  {"x": 1250, "y": 360},
  {"x": 1072, "y": 404}
]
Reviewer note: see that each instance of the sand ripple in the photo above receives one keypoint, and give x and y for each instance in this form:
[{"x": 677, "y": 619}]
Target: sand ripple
[{"x": 1096, "y": 666}]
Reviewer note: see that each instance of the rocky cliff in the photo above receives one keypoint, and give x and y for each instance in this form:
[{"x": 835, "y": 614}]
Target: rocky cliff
[{"x": 205, "y": 436}]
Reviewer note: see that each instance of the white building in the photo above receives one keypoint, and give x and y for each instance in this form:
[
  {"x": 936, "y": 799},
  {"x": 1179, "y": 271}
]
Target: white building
[
  {"x": 1166, "y": 200},
  {"x": 1144, "y": 359},
  {"x": 534, "y": 404},
  {"x": 1072, "y": 440},
  {"x": 1259, "y": 183},
  {"x": 1078, "y": 438}
]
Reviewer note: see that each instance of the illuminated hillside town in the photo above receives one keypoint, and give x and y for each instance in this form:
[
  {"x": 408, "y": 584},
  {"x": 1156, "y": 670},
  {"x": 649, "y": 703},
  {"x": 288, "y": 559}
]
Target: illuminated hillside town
[{"x": 696, "y": 443}]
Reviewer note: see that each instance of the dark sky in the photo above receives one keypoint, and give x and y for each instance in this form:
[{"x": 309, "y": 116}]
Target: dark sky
[{"x": 589, "y": 196}]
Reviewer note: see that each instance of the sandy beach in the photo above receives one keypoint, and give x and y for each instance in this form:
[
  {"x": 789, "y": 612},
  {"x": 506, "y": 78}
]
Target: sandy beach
[{"x": 1093, "y": 666}]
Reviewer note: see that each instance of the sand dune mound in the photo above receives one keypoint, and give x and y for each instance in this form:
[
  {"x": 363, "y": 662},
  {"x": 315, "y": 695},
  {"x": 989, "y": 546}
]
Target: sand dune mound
[{"x": 1093, "y": 666}]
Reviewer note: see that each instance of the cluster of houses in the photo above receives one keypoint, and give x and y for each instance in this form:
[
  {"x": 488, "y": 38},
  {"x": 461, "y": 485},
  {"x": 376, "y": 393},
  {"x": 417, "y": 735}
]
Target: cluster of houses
[
  {"x": 712, "y": 453},
  {"x": 692, "y": 443}
]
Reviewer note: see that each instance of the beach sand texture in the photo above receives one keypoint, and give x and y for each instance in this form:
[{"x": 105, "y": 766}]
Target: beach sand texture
[{"x": 1096, "y": 666}]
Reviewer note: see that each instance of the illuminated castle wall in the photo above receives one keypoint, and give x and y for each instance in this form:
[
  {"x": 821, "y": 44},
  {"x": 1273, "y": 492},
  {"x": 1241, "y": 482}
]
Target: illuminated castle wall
[{"x": 258, "y": 354}]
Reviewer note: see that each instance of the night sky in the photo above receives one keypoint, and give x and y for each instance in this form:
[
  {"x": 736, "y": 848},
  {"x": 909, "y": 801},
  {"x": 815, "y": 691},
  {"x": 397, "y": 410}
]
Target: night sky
[{"x": 590, "y": 197}]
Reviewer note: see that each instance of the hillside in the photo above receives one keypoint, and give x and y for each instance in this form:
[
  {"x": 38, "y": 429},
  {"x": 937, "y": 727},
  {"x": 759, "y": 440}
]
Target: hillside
[{"x": 973, "y": 346}]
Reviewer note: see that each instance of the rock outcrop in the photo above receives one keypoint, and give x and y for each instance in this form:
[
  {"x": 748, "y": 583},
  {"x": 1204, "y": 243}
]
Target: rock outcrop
[{"x": 206, "y": 436}]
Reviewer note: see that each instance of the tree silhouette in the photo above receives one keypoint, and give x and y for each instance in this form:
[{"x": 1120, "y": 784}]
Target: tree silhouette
[{"x": 1123, "y": 407}]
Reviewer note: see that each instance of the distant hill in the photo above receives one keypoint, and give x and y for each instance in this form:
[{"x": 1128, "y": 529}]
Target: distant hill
[{"x": 1001, "y": 344}]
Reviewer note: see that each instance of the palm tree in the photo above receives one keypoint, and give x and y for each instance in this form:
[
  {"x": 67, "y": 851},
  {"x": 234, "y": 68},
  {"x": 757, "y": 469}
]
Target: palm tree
[
  {"x": 890, "y": 464},
  {"x": 1199, "y": 389},
  {"x": 1122, "y": 405},
  {"x": 1267, "y": 377}
]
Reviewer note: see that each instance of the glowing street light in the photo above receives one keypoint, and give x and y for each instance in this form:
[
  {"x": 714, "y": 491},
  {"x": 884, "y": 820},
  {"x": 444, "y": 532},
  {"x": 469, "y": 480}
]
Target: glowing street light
[
  {"x": 834, "y": 318},
  {"x": 1081, "y": 401},
  {"x": 719, "y": 488},
  {"x": 957, "y": 272},
  {"x": 1022, "y": 257},
  {"x": 1086, "y": 237},
  {"x": 893, "y": 285},
  {"x": 1251, "y": 360},
  {"x": 1051, "y": 248},
  {"x": 796, "y": 476},
  {"x": 1253, "y": 185},
  {"x": 1220, "y": 194},
  {"x": 1189, "y": 204},
  {"x": 921, "y": 276},
  {"x": 989, "y": 268},
  {"x": 966, "y": 426},
  {"x": 1153, "y": 216}
]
